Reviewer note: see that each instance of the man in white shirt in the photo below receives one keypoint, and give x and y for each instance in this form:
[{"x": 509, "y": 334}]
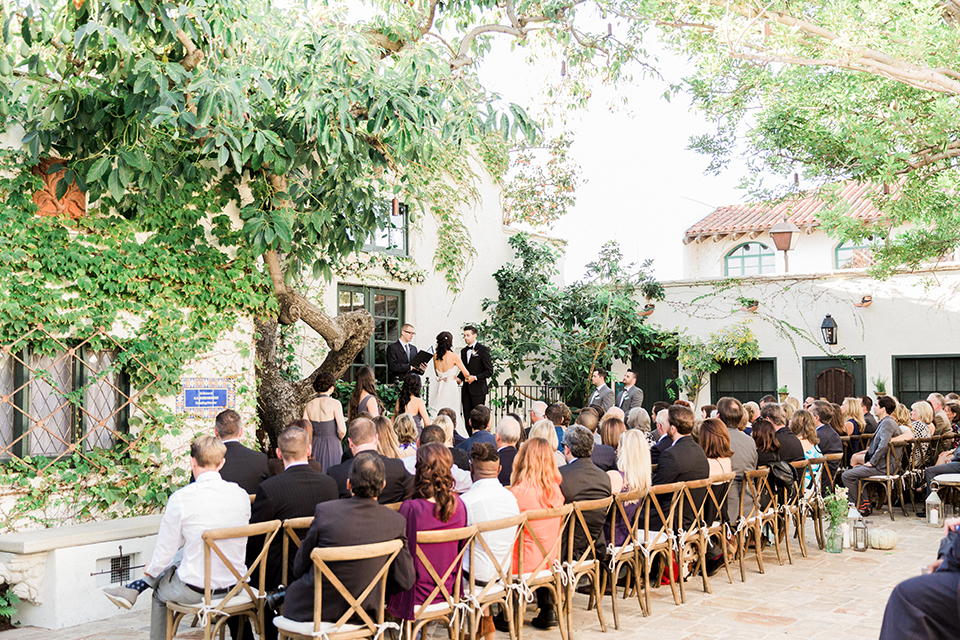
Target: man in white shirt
[
  {"x": 208, "y": 503},
  {"x": 602, "y": 395},
  {"x": 488, "y": 500}
]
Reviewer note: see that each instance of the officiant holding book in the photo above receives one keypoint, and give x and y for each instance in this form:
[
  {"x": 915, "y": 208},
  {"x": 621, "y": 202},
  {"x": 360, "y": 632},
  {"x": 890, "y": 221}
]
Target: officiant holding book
[{"x": 401, "y": 354}]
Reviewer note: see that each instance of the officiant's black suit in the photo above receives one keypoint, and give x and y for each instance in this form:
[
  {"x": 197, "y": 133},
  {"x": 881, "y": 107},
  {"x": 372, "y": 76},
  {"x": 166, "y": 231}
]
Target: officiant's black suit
[
  {"x": 481, "y": 366},
  {"x": 398, "y": 360}
]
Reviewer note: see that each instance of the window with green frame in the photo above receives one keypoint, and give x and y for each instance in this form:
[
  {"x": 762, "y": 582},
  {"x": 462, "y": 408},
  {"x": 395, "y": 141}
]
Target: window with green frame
[
  {"x": 387, "y": 308},
  {"x": 393, "y": 239},
  {"x": 852, "y": 256},
  {"x": 77, "y": 398},
  {"x": 749, "y": 259}
]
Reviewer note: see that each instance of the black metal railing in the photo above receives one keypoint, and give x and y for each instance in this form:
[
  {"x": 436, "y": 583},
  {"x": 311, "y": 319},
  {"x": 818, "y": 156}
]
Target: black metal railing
[{"x": 518, "y": 398}]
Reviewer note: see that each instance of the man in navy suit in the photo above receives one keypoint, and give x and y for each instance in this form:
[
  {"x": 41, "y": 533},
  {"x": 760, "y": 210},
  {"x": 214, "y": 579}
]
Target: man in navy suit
[
  {"x": 682, "y": 461},
  {"x": 665, "y": 441},
  {"x": 244, "y": 466},
  {"x": 478, "y": 425},
  {"x": 508, "y": 434}
]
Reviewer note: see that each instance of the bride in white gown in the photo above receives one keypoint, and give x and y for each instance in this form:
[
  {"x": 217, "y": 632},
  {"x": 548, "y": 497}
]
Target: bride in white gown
[{"x": 447, "y": 364}]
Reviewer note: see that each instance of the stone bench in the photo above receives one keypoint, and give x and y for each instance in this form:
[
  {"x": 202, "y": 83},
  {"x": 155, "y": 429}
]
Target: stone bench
[{"x": 58, "y": 573}]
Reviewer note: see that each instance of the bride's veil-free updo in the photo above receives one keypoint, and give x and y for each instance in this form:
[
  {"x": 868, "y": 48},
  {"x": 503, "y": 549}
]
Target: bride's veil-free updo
[{"x": 444, "y": 344}]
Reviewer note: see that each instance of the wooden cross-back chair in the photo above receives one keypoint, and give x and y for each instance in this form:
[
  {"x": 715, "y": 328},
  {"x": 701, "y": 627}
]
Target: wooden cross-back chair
[
  {"x": 627, "y": 552},
  {"x": 692, "y": 500},
  {"x": 762, "y": 512},
  {"x": 716, "y": 523},
  {"x": 542, "y": 574},
  {"x": 292, "y": 528},
  {"x": 442, "y": 603},
  {"x": 659, "y": 540},
  {"x": 240, "y": 600},
  {"x": 343, "y": 628},
  {"x": 828, "y": 478},
  {"x": 793, "y": 506},
  {"x": 912, "y": 472},
  {"x": 889, "y": 480},
  {"x": 498, "y": 590},
  {"x": 812, "y": 504},
  {"x": 586, "y": 563}
]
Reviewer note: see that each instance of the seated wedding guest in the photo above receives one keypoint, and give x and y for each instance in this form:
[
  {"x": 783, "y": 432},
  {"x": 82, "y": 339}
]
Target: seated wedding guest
[
  {"x": 406, "y": 431},
  {"x": 869, "y": 420},
  {"x": 638, "y": 418},
  {"x": 295, "y": 493},
  {"x": 567, "y": 414},
  {"x": 242, "y": 465},
  {"x": 804, "y": 426},
  {"x": 555, "y": 414},
  {"x": 584, "y": 480},
  {"x": 921, "y": 423},
  {"x": 276, "y": 465},
  {"x": 478, "y": 427},
  {"x": 873, "y": 462},
  {"x": 901, "y": 416},
  {"x": 614, "y": 412},
  {"x": 538, "y": 411},
  {"x": 208, "y": 503},
  {"x": 454, "y": 418},
  {"x": 590, "y": 419},
  {"x": 409, "y": 401},
  {"x": 362, "y": 436},
  {"x": 790, "y": 448},
  {"x": 658, "y": 406},
  {"x": 523, "y": 428},
  {"x": 387, "y": 444},
  {"x": 340, "y": 523},
  {"x": 925, "y": 606},
  {"x": 605, "y": 453},
  {"x": 794, "y": 402},
  {"x": 715, "y": 442},
  {"x": 788, "y": 410},
  {"x": 708, "y": 411},
  {"x": 768, "y": 446},
  {"x": 545, "y": 429},
  {"x": 434, "y": 433},
  {"x": 682, "y": 461},
  {"x": 364, "y": 397},
  {"x": 488, "y": 500},
  {"x": 326, "y": 415},
  {"x": 829, "y": 439},
  {"x": 753, "y": 412},
  {"x": 853, "y": 422},
  {"x": 508, "y": 433},
  {"x": 434, "y": 506},
  {"x": 744, "y": 458},
  {"x": 461, "y": 459},
  {"x": 767, "y": 399},
  {"x": 633, "y": 473},
  {"x": 664, "y": 441},
  {"x": 683, "y": 403},
  {"x": 952, "y": 409},
  {"x": 535, "y": 484}
]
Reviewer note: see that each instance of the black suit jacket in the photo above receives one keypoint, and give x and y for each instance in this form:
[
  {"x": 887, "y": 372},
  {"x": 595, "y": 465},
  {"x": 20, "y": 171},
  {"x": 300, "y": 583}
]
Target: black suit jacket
[
  {"x": 480, "y": 365},
  {"x": 681, "y": 462},
  {"x": 460, "y": 458},
  {"x": 829, "y": 443},
  {"x": 790, "y": 448},
  {"x": 341, "y": 523},
  {"x": 295, "y": 493},
  {"x": 507, "y": 455},
  {"x": 605, "y": 457},
  {"x": 399, "y": 482},
  {"x": 583, "y": 480},
  {"x": 657, "y": 450},
  {"x": 246, "y": 467},
  {"x": 397, "y": 362}
]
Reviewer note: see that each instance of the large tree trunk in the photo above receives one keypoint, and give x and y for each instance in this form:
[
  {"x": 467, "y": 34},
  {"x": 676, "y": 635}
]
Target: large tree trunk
[{"x": 280, "y": 401}]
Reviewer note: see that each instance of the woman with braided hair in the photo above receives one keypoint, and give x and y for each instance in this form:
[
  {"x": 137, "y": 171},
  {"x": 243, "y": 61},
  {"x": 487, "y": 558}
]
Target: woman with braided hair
[{"x": 434, "y": 506}]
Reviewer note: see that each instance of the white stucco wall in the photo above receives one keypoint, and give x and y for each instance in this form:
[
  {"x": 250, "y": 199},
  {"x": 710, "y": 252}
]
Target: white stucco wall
[
  {"x": 911, "y": 314},
  {"x": 814, "y": 253}
]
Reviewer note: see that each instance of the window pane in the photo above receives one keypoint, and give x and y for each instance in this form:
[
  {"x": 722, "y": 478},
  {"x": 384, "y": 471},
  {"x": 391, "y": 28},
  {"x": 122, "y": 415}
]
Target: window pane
[
  {"x": 6, "y": 408},
  {"x": 379, "y": 305},
  {"x": 48, "y": 404},
  {"x": 103, "y": 400}
]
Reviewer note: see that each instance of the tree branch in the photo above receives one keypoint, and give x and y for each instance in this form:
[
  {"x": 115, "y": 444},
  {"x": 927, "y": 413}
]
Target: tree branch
[{"x": 194, "y": 55}]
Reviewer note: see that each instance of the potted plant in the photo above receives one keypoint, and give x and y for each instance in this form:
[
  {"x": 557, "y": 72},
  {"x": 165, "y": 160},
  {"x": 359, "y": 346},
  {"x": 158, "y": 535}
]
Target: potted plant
[
  {"x": 880, "y": 386},
  {"x": 835, "y": 510},
  {"x": 647, "y": 309},
  {"x": 784, "y": 393},
  {"x": 748, "y": 304}
]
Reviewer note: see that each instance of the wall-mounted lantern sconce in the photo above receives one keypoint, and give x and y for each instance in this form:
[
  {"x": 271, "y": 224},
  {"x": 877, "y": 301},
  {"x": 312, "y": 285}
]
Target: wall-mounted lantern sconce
[
  {"x": 829, "y": 330},
  {"x": 785, "y": 235}
]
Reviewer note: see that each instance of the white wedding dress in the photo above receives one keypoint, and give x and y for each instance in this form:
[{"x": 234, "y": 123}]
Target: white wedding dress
[{"x": 447, "y": 395}]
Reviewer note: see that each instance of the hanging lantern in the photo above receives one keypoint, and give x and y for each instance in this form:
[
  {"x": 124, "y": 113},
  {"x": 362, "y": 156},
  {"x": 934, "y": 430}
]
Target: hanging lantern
[
  {"x": 829, "y": 330},
  {"x": 933, "y": 506},
  {"x": 859, "y": 535}
]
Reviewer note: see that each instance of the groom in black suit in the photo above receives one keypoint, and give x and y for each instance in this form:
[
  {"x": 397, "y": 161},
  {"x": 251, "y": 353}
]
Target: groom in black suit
[{"x": 476, "y": 358}]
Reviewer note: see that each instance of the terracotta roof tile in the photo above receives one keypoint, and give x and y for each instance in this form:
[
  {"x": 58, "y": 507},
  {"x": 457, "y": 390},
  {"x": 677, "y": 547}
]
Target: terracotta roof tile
[{"x": 802, "y": 212}]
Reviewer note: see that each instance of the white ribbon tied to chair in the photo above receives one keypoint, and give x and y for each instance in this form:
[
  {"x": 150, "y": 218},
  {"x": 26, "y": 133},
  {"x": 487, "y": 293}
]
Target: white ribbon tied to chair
[
  {"x": 382, "y": 627},
  {"x": 522, "y": 589},
  {"x": 612, "y": 552},
  {"x": 566, "y": 572},
  {"x": 203, "y": 614}
]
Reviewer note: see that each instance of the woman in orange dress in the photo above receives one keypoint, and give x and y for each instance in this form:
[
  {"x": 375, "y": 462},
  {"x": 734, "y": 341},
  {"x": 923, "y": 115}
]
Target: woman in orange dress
[{"x": 535, "y": 483}]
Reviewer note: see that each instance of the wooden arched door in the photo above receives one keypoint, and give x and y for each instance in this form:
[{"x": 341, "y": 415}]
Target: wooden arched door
[{"x": 835, "y": 384}]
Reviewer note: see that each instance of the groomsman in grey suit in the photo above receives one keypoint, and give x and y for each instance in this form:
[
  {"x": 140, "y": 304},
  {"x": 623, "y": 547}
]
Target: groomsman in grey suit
[
  {"x": 631, "y": 397},
  {"x": 602, "y": 395}
]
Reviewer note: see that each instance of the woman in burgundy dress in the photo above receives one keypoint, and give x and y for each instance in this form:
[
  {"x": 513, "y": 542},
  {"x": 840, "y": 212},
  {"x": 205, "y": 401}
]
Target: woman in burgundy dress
[{"x": 434, "y": 506}]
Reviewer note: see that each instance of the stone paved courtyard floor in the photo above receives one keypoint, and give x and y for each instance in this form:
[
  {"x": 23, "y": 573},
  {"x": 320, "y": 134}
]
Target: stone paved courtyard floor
[{"x": 821, "y": 596}]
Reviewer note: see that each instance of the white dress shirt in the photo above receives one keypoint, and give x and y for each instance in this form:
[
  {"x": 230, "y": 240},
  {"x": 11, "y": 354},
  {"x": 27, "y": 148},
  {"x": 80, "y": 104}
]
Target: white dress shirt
[
  {"x": 209, "y": 503},
  {"x": 489, "y": 500}
]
